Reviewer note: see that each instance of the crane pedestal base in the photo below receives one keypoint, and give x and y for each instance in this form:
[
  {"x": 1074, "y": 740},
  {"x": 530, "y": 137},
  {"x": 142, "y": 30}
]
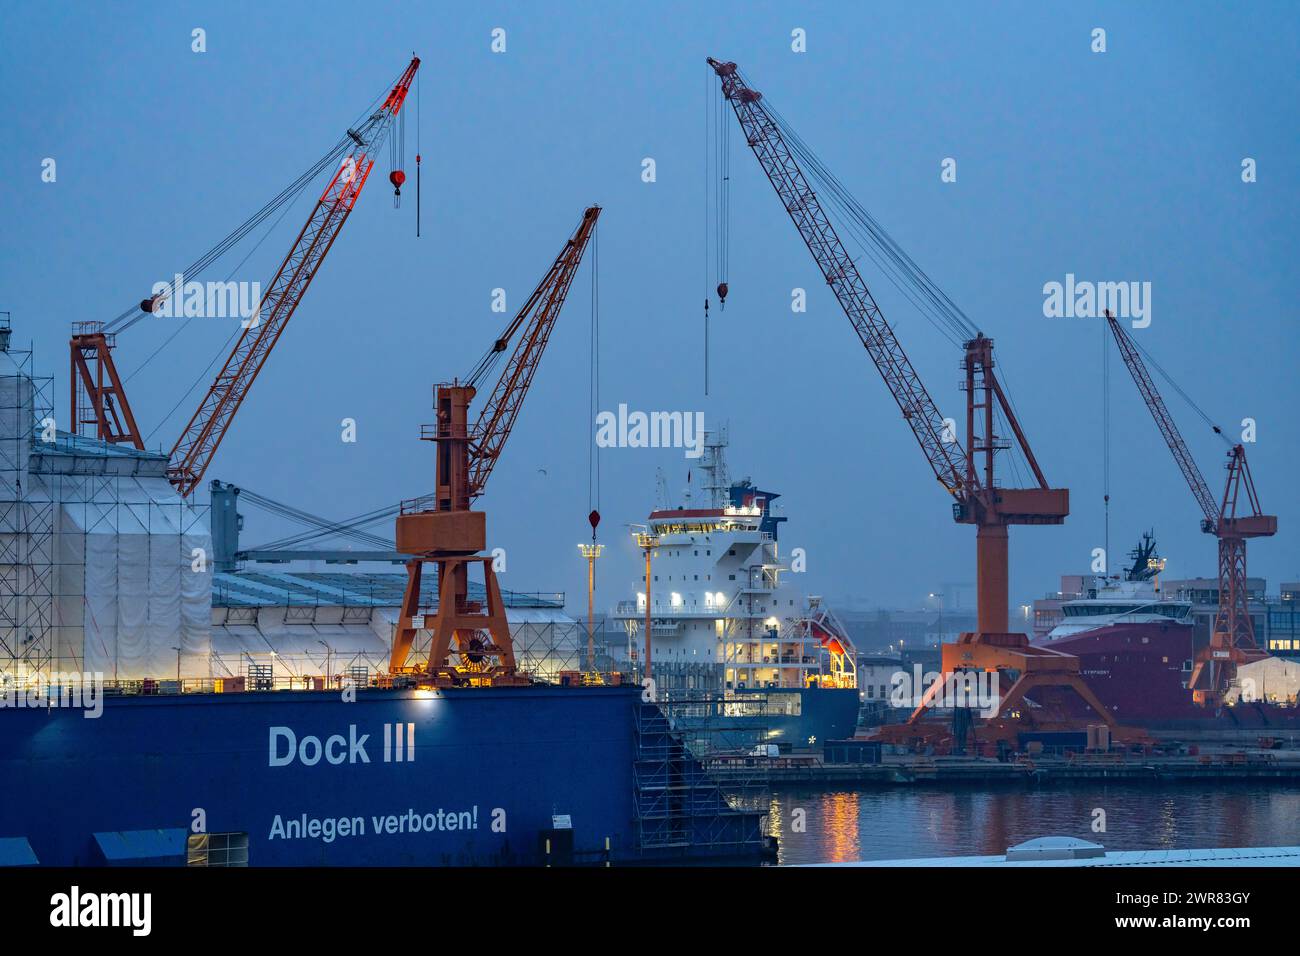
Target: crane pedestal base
[
  {"x": 469, "y": 641},
  {"x": 976, "y": 668}
]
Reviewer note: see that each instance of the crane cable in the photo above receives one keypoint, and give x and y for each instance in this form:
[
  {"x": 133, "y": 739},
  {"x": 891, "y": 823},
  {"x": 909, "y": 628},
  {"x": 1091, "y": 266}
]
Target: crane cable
[
  {"x": 1105, "y": 445},
  {"x": 708, "y": 139},
  {"x": 1169, "y": 379},
  {"x": 418, "y": 156},
  {"x": 902, "y": 271},
  {"x": 898, "y": 266},
  {"x": 722, "y": 201},
  {"x": 362, "y": 124},
  {"x": 593, "y": 452},
  {"x": 345, "y": 526},
  {"x": 324, "y": 526}
]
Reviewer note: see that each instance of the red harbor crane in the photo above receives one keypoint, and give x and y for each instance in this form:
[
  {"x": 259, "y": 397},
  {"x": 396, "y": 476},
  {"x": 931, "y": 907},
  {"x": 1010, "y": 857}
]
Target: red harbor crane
[
  {"x": 1232, "y": 639},
  {"x": 99, "y": 404},
  {"x": 968, "y": 476},
  {"x": 469, "y": 641}
]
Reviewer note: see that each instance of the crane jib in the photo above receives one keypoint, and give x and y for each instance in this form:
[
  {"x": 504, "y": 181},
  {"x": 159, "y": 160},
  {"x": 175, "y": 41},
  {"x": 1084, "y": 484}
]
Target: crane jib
[
  {"x": 200, "y": 439},
  {"x": 931, "y": 429}
]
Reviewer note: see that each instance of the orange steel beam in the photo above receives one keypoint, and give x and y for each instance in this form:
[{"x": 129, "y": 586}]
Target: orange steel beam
[
  {"x": 470, "y": 640},
  {"x": 200, "y": 439},
  {"x": 989, "y": 507},
  {"x": 978, "y": 499},
  {"x": 539, "y": 313},
  {"x": 97, "y": 396},
  {"x": 1232, "y": 639},
  {"x": 841, "y": 274}
]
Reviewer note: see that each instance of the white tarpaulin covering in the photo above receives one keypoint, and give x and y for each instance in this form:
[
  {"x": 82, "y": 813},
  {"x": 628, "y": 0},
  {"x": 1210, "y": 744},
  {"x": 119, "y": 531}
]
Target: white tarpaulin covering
[
  {"x": 128, "y": 554},
  {"x": 299, "y": 649}
]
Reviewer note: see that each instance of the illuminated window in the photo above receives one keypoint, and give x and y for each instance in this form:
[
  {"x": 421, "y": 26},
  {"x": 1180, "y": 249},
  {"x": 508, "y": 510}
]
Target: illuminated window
[{"x": 217, "y": 849}]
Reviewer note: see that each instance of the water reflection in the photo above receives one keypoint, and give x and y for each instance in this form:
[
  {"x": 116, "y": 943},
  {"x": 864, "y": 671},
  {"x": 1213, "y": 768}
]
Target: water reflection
[{"x": 896, "y": 823}]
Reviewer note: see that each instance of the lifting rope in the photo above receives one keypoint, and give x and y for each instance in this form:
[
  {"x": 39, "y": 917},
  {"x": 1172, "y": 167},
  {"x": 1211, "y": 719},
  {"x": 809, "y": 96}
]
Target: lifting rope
[
  {"x": 708, "y": 134},
  {"x": 722, "y": 196},
  {"x": 717, "y": 205},
  {"x": 899, "y": 267},
  {"x": 323, "y": 526},
  {"x": 355, "y": 136},
  {"x": 1146, "y": 357},
  {"x": 418, "y": 157},
  {"x": 593, "y": 452},
  {"x": 1105, "y": 443}
]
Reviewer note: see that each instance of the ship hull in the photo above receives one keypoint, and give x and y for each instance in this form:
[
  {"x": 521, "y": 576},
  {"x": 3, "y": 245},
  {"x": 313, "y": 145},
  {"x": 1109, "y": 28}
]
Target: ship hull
[
  {"x": 795, "y": 718},
  {"x": 1139, "y": 672}
]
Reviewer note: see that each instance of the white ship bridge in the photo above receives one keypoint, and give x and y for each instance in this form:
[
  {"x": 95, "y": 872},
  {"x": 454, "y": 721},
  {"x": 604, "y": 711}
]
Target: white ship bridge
[{"x": 722, "y": 613}]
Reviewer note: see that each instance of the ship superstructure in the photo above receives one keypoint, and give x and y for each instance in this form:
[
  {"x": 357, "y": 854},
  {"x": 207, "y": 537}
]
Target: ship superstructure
[
  {"x": 1131, "y": 597},
  {"x": 724, "y": 616}
]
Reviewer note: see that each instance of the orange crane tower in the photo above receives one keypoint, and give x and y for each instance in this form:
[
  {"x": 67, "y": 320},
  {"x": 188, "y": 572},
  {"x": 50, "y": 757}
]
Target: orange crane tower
[
  {"x": 968, "y": 476},
  {"x": 98, "y": 402},
  {"x": 470, "y": 640},
  {"x": 1232, "y": 640}
]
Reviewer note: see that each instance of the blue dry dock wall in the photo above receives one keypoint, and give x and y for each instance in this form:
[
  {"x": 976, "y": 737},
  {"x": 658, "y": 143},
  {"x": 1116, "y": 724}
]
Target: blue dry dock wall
[{"x": 395, "y": 778}]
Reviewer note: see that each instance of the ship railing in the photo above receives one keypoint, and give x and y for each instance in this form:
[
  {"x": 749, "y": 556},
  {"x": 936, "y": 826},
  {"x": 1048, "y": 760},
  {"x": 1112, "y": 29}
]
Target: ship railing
[
  {"x": 234, "y": 684},
  {"x": 635, "y": 610}
]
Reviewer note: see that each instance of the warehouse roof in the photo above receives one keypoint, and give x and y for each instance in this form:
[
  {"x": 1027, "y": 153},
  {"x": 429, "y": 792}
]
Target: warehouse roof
[{"x": 359, "y": 588}]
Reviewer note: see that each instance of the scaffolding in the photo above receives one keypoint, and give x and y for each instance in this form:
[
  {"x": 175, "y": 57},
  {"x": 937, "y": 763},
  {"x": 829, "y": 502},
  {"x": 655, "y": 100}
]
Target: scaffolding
[
  {"x": 679, "y": 809},
  {"x": 26, "y": 523},
  {"x": 132, "y": 577},
  {"x": 546, "y": 649}
]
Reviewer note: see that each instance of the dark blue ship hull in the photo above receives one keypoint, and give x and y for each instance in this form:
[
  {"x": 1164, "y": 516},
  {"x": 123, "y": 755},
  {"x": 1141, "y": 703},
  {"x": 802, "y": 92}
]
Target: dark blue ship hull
[
  {"x": 806, "y": 718},
  {"x": 398, "y": 777},
  {"x": 792, "y": 718}
]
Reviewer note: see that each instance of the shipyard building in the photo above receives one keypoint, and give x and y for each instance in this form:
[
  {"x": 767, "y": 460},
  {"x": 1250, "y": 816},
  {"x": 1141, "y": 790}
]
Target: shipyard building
[{"x": 106, "y": 569}]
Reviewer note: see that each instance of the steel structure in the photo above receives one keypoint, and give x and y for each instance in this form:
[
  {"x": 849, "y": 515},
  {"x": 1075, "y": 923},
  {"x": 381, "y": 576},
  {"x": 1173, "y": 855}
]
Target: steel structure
[
  {"x": 590, "y": 552},
  {"x": 442, "y": 528},
  {"x": 1232, "y": 639},
  {"x": 98, "y": 400},
  {"x": 969, "y": 475}
]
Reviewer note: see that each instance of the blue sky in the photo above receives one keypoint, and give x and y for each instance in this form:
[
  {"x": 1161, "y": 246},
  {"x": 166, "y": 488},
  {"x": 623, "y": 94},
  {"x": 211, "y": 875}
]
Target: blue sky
[{"x": 1116, "y": 166}]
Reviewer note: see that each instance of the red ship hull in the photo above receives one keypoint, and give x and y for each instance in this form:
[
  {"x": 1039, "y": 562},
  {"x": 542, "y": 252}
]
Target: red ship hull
[{"x": 1139, "y": 672}]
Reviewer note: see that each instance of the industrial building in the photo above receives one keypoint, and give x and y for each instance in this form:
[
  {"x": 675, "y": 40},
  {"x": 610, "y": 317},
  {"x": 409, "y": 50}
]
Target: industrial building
[{"x": 106, "y": 569}]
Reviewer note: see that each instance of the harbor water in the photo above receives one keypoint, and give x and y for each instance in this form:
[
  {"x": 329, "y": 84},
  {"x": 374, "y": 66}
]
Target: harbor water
[{"x": 915, "y": 822}]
